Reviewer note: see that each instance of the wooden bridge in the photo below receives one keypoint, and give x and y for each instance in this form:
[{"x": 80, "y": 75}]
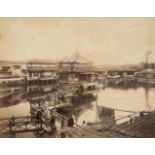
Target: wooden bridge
[
  {"x": 137, "y": 126},
  {"x": 10, "y": 126}
]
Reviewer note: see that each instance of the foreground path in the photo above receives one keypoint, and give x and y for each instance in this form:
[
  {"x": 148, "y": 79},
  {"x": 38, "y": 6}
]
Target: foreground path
[
  {"x": 143, "y": 126},
  {"x": 140, "y": 127}
]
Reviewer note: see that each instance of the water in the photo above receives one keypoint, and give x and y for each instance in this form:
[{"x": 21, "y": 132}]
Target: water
[
  {"x": 138, "y": 99},
  {"x": 131, "y": 99},
  {"x": 22, "y": 109}
]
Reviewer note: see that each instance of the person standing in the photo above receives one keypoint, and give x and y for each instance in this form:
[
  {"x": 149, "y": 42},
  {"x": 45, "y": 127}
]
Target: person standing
[
  {"x": 70, "y": 121},
  {"x": 39, "y": 118},
  {"x": 62, "y": 123},
  {"x": 52, "y": 123}
]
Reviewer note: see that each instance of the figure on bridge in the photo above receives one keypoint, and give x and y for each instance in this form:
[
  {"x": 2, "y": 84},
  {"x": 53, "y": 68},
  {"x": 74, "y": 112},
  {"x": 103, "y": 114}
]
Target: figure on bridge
[
  {"x": 52, "y": 124},
  {"x": 39, "y": 118},
  {"x": 12, "y": 122},
  {"x": 70, "y": 121}
]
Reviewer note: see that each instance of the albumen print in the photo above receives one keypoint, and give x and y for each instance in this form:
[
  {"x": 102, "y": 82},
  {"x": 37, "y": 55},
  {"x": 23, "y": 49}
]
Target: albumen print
[{"x": 77, "y": 77}]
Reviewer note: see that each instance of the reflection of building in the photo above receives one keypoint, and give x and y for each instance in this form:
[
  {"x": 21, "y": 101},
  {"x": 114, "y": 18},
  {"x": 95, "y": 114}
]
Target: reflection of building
[
  {"x": 84, "y": 97},
  {"x": 106, "y": 115},
  {"x": 40, "y": 72},
  {"x": 36, "y": 89},
  {"x": 147, "y": 98}
]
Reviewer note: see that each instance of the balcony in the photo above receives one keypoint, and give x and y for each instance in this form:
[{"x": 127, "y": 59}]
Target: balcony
[{"x": 41, "y": 69}]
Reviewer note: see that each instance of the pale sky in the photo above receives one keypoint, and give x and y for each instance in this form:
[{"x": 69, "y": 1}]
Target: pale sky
[{"x": 113, "y": 41}]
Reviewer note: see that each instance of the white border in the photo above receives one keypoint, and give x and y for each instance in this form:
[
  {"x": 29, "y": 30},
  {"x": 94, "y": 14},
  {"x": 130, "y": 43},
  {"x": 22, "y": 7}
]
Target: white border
[
  {"x": 78, "y": 146},
  {"x": 78, "y": 8}
]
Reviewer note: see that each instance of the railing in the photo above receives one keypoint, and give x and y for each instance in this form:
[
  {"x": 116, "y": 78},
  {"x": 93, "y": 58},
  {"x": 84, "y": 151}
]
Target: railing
[
  {"x": 19, "y": 124},
  {"x": 131, "y": 116},
  {"x": 64, "y": 118},
  {"x": 42, "y": 78},
  {"x": 41, "y": 69}
]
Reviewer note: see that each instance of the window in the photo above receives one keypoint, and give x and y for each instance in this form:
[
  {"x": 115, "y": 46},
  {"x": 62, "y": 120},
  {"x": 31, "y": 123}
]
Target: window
[
  {"x": 35, "y": 74},
  {"x": 5, "y": 68},
  {"x": 16, "y": 66}
]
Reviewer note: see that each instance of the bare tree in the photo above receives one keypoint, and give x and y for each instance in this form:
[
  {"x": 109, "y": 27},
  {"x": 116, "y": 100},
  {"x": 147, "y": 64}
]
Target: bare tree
[{"x": 147, "y": 54}]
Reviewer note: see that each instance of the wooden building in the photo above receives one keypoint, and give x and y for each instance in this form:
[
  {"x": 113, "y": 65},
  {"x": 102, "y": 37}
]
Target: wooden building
[
  {"x": 147, "y": 73},
  {"x": 41, "y": 72},
  {"x": 146, "y": 76},
  {"x": 12, "y": 73},
  {"x": 121, "y": 73},
  {"x": 70, "y": 70}
]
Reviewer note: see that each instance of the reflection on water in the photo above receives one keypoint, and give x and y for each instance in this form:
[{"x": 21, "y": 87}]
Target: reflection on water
[
  {"x": 101, "y": 109},
  {"x": 139, "y": 99},
  {"x": 132, "y": 99},
  {"x": 105, "y": 113}
]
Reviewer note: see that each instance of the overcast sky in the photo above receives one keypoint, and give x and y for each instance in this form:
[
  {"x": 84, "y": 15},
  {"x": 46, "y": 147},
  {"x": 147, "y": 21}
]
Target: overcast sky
[{"x": 111, "y": 41}]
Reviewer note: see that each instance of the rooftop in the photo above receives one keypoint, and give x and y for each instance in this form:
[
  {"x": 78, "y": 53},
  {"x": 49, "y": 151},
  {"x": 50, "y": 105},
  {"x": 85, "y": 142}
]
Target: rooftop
[
  {"x": 149, "y": 70},
  {"x": 40, "y": 61},
  {"x": 76, "y": 58}
]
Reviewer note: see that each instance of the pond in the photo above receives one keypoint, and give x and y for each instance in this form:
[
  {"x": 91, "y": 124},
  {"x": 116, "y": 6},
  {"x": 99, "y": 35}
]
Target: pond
[
  {"x": 109, "y": 101},
  {"x": 131, "y": 99}
]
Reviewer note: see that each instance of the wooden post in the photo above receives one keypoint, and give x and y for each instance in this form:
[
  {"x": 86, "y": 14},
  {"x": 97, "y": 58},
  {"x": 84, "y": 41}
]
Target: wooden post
[
  {"x": 11, "y": 124},
  {"x": 41, "y": 124},
  {"x": 26, "y": 123}
]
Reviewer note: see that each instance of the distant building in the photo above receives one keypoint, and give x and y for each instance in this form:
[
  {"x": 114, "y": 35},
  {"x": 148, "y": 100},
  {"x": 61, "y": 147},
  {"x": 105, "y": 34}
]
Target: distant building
[
  {"x": 71, "y": 69},
  {"x": 12, "y": 69},
  {"x": 121, "y": 72},
  {"x": 12, "y": 72},
  {"x": 146, "y": 76},
  {"x": 41, "y": 72},
  {"x": 75, "y": 63},
  {"x": 74, "y": 66},
  {"x": 147, "y": 73}
]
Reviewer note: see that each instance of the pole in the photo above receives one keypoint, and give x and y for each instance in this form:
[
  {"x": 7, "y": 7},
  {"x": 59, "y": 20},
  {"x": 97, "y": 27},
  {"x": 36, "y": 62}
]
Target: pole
[{"x": 96, "y": 107}]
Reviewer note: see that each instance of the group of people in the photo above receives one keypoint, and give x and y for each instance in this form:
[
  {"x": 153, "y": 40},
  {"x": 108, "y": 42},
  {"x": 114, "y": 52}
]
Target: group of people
[{"x": 46, "y": 116}]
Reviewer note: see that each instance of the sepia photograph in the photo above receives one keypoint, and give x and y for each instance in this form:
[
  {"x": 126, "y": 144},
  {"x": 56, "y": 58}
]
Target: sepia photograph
[{"x": 77, "y": 77}]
